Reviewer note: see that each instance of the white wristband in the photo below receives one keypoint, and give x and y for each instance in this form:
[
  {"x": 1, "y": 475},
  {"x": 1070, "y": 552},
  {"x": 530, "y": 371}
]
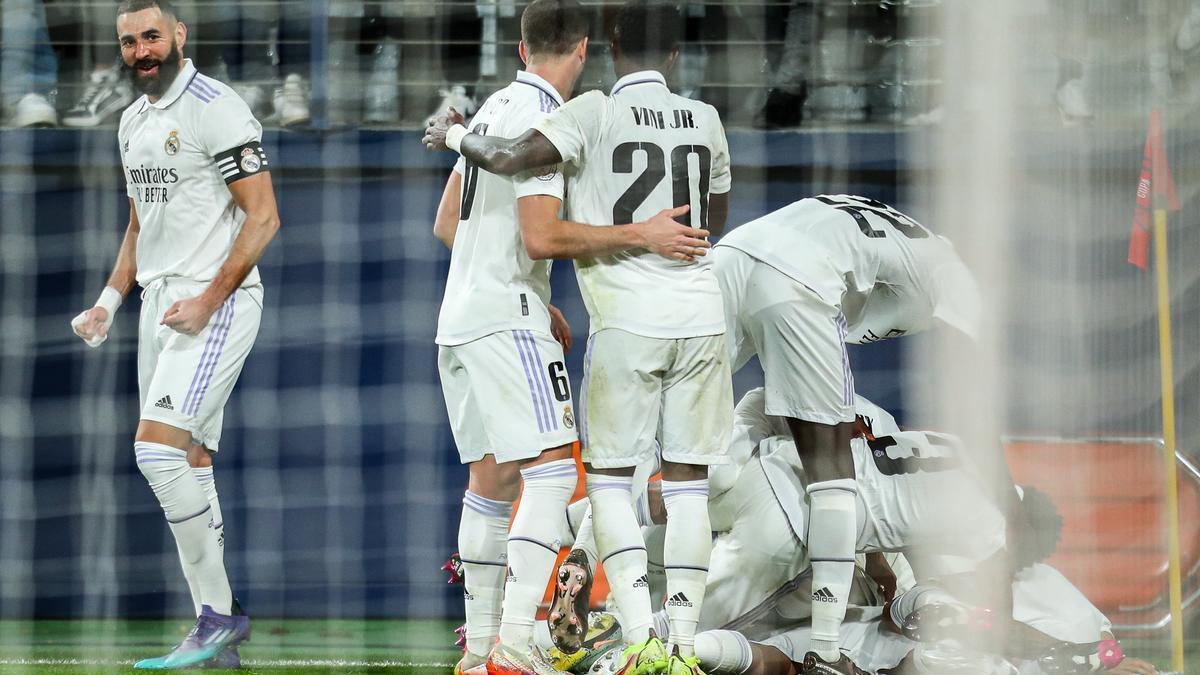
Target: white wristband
[
  {"x": 110, "y": 299},
  {"x": 454, "y": 136}
]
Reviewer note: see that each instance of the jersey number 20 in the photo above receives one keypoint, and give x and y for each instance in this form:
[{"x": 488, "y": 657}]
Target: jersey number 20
[{"x": 655, "y": 171}]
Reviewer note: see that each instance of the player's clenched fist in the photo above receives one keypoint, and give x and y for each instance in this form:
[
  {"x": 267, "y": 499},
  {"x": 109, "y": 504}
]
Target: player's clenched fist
[
  {"x": 666, "y": 237},
  {"x": 92, "y": 324},
  {"x": 189, "y": 316},
  {"x": 435, "y": 133}
]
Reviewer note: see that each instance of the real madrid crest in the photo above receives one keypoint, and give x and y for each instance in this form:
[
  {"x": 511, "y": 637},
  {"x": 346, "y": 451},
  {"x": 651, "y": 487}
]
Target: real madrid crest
[
  {"x": 568, "y": 418},
  {"x": 250, "y": 161},
  {"x": 172, "y": 144}
]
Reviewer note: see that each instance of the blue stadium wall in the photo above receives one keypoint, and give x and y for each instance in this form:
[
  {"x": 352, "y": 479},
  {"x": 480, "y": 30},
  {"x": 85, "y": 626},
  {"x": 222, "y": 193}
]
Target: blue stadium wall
[{"x": 338, "y": 475}]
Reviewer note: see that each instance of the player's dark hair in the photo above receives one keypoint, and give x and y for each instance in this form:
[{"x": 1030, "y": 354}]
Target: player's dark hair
[
  {"x": 1038, "y": 528},
  {"x": 553, "y": 27},
  {"x": 647, "y": 31},
  {"x": 128, "y": 6}
]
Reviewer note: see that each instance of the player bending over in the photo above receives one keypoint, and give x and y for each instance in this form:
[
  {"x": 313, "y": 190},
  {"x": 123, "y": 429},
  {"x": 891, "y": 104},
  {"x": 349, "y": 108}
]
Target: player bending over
[
  {"x": 798, "y": 284},
  {"x": 202, "y": 212},
  {"x": 656, "y": 368},
  {"x": 919, "y": 493}
]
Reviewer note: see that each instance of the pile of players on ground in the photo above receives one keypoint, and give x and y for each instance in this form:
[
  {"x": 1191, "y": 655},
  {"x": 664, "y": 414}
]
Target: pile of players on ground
[
  {"x": 631, "y": 184},
  {"x": 922, "y": 514}
]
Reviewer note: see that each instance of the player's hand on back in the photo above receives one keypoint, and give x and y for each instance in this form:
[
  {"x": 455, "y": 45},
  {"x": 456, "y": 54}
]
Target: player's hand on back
[
  {"x": 560, "y": 329},
  {"x": 189, "y": 316},
  {"x": 92, "y": 325},
  {"x": 664, "y": 235},
  {"x": 435, "y": 132}
]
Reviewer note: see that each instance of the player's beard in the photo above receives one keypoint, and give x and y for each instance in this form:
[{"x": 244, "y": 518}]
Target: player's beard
[{"x": 159, "y": 82}]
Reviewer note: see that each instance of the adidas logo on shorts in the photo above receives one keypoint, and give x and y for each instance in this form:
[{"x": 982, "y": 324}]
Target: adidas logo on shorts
[
  {"x": 164, "y": 402},
  {"x": 679, "y": 600},
  {"x": 824, "y": 595},
  {"x": 643, "y": 582}
]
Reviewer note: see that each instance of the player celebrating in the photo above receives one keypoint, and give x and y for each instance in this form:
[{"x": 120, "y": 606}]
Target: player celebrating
[
  {"x": 202, "y": 212},
  {"x": 656, "y": 365},
  {"x": 798, "y": 284},
  {"x": 502, "y": 372}
]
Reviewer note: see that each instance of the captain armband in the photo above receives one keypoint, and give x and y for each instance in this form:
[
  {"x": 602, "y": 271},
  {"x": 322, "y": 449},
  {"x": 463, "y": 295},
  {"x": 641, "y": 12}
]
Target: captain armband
[{"x": 242, "y": 162}]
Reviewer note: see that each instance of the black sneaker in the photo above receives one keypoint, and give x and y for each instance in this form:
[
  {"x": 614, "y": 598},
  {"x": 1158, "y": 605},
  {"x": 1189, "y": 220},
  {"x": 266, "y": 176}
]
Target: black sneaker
[
  {"x": 815, "y": 665},
  {"x": 782, "y": 110},
  {"x": 107, "y": 93}
]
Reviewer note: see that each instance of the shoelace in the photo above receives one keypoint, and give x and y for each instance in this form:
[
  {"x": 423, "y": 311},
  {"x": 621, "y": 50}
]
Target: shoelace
[
  {"x": 91, "y": 94},
  {"x": 202, "y": 624}
]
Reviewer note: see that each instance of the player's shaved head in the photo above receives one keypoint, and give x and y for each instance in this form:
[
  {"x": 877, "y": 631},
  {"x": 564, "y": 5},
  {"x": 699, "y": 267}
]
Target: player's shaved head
[
  {"x": 553, "y": 27},
  {"x": 647, "y": 32},
  {"x": 165, "y": 6}
]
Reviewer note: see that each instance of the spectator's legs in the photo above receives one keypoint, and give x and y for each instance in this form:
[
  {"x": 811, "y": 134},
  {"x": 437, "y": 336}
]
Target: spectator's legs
[
  {"x": 28, "y": 65},
  {"x": 788, "y": 83}
]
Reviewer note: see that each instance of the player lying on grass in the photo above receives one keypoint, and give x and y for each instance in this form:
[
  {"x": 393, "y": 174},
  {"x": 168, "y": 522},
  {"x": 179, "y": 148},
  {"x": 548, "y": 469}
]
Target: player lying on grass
[
  {"x": 798, "y": 284},
  {"x": 760, "y": 579}
]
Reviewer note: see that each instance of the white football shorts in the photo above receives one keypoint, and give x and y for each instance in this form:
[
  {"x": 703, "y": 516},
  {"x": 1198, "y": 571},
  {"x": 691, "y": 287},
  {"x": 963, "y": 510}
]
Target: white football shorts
[
  {"x": 639, "y": 393},
  {"x": 185, "y": 380},
  {"x": 800, "y": 339},
  {"x": 862, "y": 635},
  {"x": 507, "y": 394}
]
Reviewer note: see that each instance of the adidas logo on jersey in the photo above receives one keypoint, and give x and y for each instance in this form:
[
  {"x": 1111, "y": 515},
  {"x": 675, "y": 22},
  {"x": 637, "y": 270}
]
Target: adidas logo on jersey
[
  {"x": 643, "y": 582},
  {"x": 824, "y": 595},
  {"x": 164, "y": 402},
  {"x": 679, "y": 600}
]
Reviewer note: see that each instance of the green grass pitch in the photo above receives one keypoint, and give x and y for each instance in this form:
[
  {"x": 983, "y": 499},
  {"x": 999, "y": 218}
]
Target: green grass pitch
[
  {"x": 288, "y": 646},
  {"x": 277, "y": 646}
]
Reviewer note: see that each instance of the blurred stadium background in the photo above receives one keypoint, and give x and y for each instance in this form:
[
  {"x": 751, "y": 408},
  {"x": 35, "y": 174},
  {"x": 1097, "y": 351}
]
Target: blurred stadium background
[{"x": 1016, "y": 128}]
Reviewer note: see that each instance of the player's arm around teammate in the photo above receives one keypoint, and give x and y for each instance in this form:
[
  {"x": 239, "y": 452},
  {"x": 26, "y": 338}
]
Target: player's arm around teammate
[{"x": 547, "y": 235}]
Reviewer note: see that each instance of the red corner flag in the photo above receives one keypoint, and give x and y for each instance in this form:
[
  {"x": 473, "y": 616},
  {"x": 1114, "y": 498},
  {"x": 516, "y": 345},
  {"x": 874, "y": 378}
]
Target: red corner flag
[{"x": 1156, "y": 178}]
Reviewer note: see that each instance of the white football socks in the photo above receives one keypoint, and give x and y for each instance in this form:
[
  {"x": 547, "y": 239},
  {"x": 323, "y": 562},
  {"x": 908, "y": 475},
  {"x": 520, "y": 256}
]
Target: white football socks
[
  {"x": 622, "y": 552},
  {"x": 190, "y": 518},
  {"x": 204, "y": 476},
  {"x": 533, "y": 543},
  {"x": 832, "y": 530},
  {"x": 482, "y": 546},
  {"x": 585, "y": 533},
  {"x": 723, "y": 652},
  {"x": 686, "y": 551}
]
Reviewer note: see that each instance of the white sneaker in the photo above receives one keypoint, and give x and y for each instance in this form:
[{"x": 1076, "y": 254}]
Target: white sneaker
[
  {"x": 1188, "y": 37},
  {"x": 255, "y": 98},
  {"x": 454, "y": 97},
  {"x": 1072, "y": 105},
  {"x": 291, "y": 101},
  {"x": 107, "y": 93},
  {"x": 34, "y": 110}
]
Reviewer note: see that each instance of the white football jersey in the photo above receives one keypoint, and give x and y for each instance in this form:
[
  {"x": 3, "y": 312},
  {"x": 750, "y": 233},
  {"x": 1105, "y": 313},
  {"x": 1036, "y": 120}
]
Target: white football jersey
[
  {"x": 636, "y": 152},
  {"x": 493, "y": 285},
  {"x": 179, "y": 155},
  {"x": 1044, "y": 599},
  {"x": 889, "y": 275},
  {"x": 915, "y": 493}
]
